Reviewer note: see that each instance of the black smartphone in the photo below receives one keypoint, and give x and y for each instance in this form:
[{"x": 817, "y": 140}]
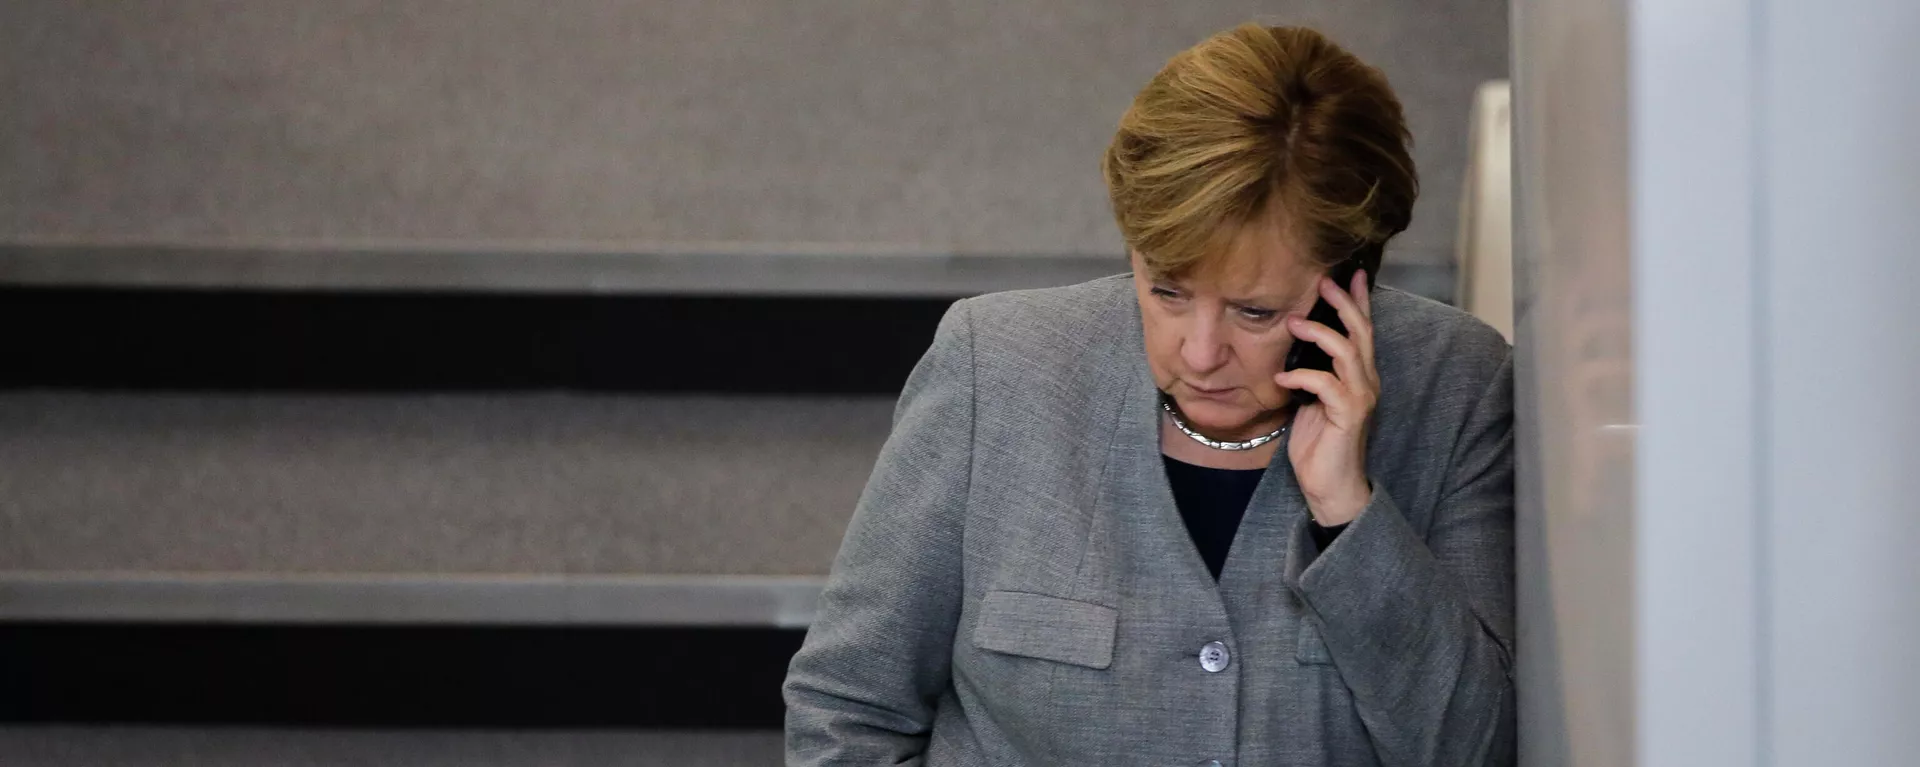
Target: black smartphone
[{"x": 1307, "y": 354}]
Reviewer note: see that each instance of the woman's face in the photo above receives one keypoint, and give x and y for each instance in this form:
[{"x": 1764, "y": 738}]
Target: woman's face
[{"x": 1216, "y": 338}]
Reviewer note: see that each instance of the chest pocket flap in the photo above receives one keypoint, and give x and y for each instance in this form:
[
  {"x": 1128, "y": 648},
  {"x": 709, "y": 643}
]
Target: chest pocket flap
[{"x": 1049, "y": 628}]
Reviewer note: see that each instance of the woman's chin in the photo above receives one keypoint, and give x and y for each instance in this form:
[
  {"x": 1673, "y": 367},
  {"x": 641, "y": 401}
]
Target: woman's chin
[{"x": 1210, "y": 416}]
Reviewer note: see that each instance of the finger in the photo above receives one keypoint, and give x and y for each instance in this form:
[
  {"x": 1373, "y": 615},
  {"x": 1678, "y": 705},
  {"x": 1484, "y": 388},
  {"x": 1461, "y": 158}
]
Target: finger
[
  {"x": 1346, "y": 356},
  {"x": 1361, "y": 295},
  {"x": 1319, "y": 382},
  {"x": 1359, "y": 321},
  {"x": 1336, "y": 397}
]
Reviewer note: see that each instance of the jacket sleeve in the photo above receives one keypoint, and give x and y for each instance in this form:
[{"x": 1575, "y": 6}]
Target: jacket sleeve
[
  {"x": 1421, "y": 630},
  {"x": 863, "y": 688}
]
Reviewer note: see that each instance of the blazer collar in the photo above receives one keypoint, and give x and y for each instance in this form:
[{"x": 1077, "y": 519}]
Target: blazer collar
[{"x": 1138, "y": 499}]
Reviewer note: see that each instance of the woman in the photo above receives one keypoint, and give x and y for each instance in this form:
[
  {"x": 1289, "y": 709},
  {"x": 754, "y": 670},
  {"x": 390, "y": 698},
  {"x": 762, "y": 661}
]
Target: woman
[{"x": 1111, "y": 526}]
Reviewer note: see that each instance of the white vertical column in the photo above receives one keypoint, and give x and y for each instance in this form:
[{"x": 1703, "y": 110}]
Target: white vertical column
[
  {"x": 1697, "y": 380},
  {"x": 1754, "y": 165},
  {"x": 1841, "y": 222}
]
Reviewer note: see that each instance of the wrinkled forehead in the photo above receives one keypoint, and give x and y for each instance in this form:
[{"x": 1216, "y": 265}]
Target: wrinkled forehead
[{"x": 1260, "y": 259}]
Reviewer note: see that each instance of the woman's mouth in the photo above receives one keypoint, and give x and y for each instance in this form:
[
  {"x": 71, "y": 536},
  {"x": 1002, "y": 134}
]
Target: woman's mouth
[{"x": 1211, "y": 393}]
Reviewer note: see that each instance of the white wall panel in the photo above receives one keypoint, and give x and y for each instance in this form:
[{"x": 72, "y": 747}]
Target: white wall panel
[
  {"x": 1695, "y": 385},
  {"x": 1840, "y": 220},
  {"x": 1715, "y": 220}
]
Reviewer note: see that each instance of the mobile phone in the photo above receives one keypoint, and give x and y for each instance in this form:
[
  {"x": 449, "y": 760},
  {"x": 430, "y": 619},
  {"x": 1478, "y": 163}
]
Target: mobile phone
[{"x": 1308, "y": 355}]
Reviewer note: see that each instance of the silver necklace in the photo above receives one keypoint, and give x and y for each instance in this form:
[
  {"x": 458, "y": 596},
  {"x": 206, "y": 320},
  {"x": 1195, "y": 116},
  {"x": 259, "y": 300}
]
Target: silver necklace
[{"x": 1166, "y": 404}]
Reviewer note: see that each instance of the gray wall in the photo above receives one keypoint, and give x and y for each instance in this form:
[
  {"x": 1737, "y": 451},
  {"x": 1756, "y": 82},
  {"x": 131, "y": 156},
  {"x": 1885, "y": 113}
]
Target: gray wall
[
  {"x": 729, "y": 125},
  {"x": 232, "y": 746},
  {"x": 502, "y": 483},
  {"x": 885, "y": 126}
]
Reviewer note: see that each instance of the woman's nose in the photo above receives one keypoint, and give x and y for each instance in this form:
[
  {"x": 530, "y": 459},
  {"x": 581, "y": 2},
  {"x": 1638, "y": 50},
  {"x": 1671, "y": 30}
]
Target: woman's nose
[{"x": 1202, "y": 349}]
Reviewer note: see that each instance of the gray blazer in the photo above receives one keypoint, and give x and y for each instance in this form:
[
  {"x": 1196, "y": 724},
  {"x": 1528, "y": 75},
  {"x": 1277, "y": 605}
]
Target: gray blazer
[{"x": 1017, "y": 587}]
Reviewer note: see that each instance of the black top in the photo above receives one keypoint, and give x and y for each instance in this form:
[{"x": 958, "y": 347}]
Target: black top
[{"x": 1213, "y": 501}]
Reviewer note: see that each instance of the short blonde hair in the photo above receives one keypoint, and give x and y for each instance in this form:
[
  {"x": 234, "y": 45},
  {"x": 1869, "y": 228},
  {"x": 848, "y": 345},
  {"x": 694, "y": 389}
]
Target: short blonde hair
[{"x": 1260, "y": 121}]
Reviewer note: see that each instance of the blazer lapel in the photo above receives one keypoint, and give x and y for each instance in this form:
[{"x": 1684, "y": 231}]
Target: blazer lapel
[
  {"x": 1255, "y": 561},
  {"x": 1145, "y": 534}
]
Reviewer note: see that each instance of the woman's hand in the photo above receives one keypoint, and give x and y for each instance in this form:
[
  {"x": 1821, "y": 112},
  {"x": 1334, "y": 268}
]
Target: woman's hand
[{"x": 1328, "y": 446}]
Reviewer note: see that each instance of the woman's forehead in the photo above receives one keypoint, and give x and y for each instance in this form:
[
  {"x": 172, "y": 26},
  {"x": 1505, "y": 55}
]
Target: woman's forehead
[{"x": 1263, "y": 268}]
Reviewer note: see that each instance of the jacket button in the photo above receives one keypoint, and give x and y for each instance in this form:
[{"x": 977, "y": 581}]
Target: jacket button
[{"x": 1213, "y": 657}]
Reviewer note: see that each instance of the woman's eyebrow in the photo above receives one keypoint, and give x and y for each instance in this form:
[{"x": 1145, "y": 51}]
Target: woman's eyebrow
[{"x": 1266, "y": 300}]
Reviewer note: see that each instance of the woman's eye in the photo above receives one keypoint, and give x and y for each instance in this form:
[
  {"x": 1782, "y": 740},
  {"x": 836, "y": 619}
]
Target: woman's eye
[
  {"x": 1165, "y": 292},
  {"x": 1258, "y": 315}
]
